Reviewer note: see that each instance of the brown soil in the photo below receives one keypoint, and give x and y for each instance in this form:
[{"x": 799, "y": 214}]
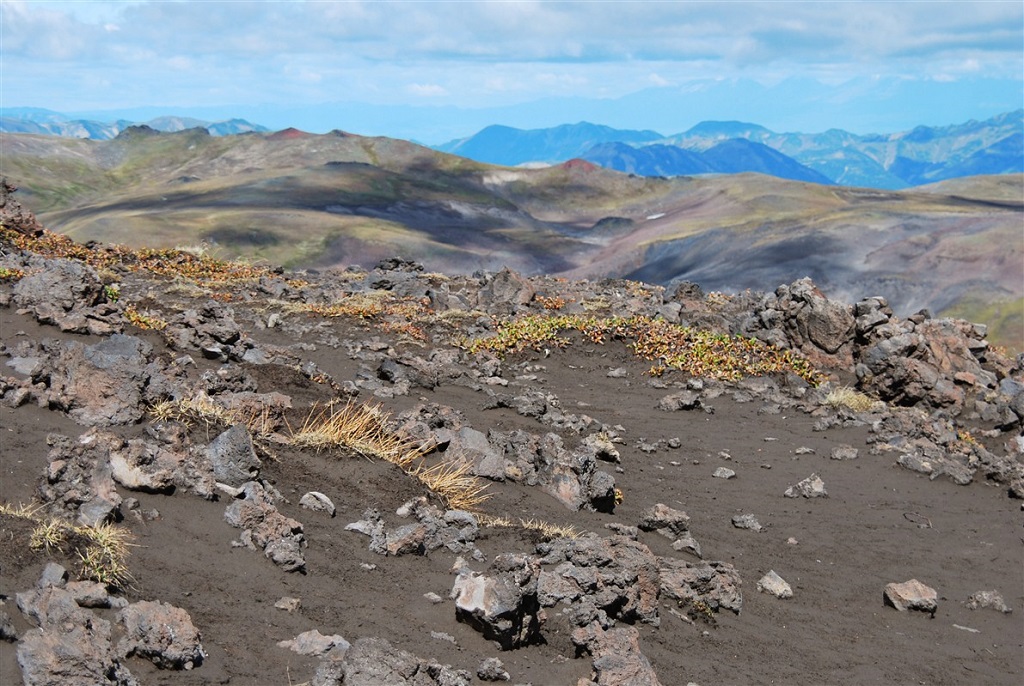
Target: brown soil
[{"x": 880, "y": 524}]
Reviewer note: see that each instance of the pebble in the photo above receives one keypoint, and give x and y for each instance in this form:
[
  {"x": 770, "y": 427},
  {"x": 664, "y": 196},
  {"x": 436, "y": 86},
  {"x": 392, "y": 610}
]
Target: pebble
[{"x": 288, "y": 604}]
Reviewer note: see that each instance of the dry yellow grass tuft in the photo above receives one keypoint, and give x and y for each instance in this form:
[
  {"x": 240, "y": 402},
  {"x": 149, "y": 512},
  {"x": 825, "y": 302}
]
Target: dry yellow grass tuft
[
  {"x": 358, "y": 427},
  {"x": 454, "y": 483},
  {"x": 202, "y": 409},
  {"x": 102, "y": 551},
  {"x": 546, "y": 529},
  {"x": 364, "y": 429},
  {"x": 850, "y": 398}
]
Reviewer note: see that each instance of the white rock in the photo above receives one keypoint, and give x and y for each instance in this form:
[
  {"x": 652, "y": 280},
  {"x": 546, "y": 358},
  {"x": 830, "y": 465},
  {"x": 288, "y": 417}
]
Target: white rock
[
  {"x": 911, "y": 595},
  {"x": 318, "y": 502},
  {"x": 774, "y": 584},
  {"x": 811, "y": 487}
]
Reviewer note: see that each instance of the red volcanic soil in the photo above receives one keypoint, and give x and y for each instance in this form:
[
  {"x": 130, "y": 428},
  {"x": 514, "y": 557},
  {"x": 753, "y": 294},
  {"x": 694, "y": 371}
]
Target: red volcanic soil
[
  {"x": 580, "y": 165},
  {"x": 288, "y": 135}
]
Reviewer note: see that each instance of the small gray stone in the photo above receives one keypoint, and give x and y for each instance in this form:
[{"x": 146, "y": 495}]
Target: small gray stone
[
  {"x": 775, "y": 584},
  {"x": 684, "y": 400},
  {"x": 724, "y": 473},
  {"x": 442, "y": 636},
  {"x": 990, "y": 599},
  {"x": 746, "y": 521},
  {"x": 288, "y": 604},
  {"x": 7, "y": 630},
  {"x": 844, "y": 452},
  {"x": 89, "y": 593},
  {"x": 811, "y": 487},
  {"x": 53, "y": 575},
  {"x": 492, "y": 669},
  {"x": 314, "y": 643},
  {"x": 317, "y": 502},
  {"x": 916, "y": 463},
  {"x": 666, "y": 520},
  {"x": 233, "y": 457},
  {"x": 688, "y": 543}
]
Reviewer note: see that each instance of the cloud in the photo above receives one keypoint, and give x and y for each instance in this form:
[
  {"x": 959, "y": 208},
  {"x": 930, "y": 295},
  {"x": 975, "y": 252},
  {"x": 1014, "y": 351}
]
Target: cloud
[
  {"x": 426, "y": 90},
  {"x": 461, "y": 51}
]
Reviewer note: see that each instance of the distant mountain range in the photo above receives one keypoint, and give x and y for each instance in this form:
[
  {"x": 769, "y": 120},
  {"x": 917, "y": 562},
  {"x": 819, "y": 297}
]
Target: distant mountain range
[
  {"x": 889, "y": 161},
  {"x": 332, "y": 200},
  {"x": 47, "y": 122},
  {"x": 893, "y": 161}
]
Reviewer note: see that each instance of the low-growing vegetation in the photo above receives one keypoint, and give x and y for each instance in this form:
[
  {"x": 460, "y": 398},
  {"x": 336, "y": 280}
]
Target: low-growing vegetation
[
  {"x": 698, "y": 352},
  {"x": 850, "y": 398},
  {"x": 202, "y": 410},
  {"x": 164, "y": 262},
  {"x": 143, "y": 320},
  {"x": 364, "y": 430},
  {"x": 11, "y": 274},
  {"x": 378, "y": 306},
  {"x": 101, "y": 551},
  {"x": 547, "y": 530}
]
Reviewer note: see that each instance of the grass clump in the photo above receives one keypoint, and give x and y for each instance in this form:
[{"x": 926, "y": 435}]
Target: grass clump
[
  {"x": 142, "y": 320},
  {"x": 670, "y": 346},
  {"x": 364, "y": 429},
  {"x": 547, "y": 530},
  {"x": 397, "y": 315},
  {"x": 101, "y": 551},
  {"x": 850, "y": 398},
  {"x": 201, "y": 409}
]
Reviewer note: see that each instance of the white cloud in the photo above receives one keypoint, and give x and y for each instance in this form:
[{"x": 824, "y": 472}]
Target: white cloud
[
  {"x": 657, "y": 80},
  {"x": 427, "y": 90},
  {"x": 524, "y": 50}
]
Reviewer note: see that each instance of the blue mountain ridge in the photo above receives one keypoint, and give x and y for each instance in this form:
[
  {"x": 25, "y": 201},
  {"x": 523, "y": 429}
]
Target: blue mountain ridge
[{"x": 890, "y": 161}]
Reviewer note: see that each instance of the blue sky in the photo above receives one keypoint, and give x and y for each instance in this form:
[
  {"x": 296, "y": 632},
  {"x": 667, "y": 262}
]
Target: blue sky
[{"x": 87, "y": 56}]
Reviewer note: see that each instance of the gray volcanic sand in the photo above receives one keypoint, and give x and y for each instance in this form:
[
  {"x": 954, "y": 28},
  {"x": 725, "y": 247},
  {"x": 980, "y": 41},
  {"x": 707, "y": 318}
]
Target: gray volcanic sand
[{"x": 835, "y": 630}]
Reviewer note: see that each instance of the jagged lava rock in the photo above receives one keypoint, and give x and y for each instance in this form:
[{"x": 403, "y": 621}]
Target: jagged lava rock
[{"x": 503, "y": 606}]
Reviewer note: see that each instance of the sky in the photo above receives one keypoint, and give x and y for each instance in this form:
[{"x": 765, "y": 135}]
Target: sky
[{"x": 486, "y": 55}]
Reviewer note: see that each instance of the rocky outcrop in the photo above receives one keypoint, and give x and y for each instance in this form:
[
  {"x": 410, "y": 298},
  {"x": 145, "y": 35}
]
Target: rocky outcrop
[
  {"x": 374, "y": 661},
  {"x": 617, "y": 659},
  {"x": 160, "y": 633},
  {"x": 264, "y": 528},
  {"x": 67, "y": 294},
  {"x": 13, "y": 215},
  {"x": 601, "y": 579},
  {"x": 503, "y": 604},
  {"x": 801, "y": 317},
  {"x": 571, "y": 477},
  {"x": 73, "y": 645}
]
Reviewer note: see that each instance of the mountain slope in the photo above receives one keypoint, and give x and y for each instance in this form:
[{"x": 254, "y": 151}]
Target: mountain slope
[
  {"x": 732, "y": 156},
  {"x": 47, "y": 122},
  {"x": 888, "y": 161},
  {"x": 650, "y": 160},
  {"x": 509, "y": 146},
  {"x": 307, "y": 200},
  {"x": 738, "y": 155}
]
